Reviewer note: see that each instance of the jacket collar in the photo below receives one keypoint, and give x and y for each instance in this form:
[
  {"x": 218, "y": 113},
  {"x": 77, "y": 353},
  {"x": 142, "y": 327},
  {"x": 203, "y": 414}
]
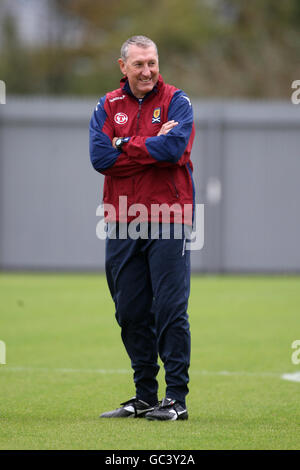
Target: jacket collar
[{"x": 124, "y": 83}]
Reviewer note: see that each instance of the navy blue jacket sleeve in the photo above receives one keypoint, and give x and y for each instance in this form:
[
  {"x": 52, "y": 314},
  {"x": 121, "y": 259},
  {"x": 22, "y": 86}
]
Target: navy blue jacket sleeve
[{"x": 102, "y": 154}]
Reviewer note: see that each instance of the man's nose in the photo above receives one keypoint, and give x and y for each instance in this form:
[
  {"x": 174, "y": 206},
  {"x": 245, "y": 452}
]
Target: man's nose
[{"x": 146, "y": 70}]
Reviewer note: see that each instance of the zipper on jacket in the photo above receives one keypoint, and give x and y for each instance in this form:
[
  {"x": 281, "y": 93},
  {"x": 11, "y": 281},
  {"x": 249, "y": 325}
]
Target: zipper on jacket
[{"x": 138, "y": 116}]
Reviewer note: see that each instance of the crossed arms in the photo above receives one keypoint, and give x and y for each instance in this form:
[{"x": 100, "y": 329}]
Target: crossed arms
[{"x": 164, "y": 149}]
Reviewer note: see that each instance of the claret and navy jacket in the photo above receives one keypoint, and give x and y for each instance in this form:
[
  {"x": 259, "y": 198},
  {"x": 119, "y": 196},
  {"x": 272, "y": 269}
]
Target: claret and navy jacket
[{"x": 150, "y": 169}]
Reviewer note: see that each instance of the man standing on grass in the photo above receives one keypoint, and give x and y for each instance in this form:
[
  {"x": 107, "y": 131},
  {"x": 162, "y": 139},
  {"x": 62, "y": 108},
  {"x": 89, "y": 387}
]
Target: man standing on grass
[{"x": 141, "y": 137}]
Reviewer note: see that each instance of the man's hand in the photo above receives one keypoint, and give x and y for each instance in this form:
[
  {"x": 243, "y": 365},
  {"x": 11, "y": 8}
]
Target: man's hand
[
  {"x": 166, "y": 127},
  {"x": 114, "y": 141}
]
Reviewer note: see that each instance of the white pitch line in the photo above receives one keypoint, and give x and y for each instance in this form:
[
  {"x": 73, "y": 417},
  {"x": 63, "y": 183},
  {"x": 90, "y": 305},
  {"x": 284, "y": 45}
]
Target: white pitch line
[
  {"x": 287, "y": 376},
  {"x": 67, "y": 370},
  {"x": 237, "y": 373},
  {"x": 293, "y": 377}
]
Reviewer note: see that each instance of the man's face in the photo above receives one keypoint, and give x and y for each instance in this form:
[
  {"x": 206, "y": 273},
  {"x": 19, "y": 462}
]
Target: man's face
[{"x": 141, "y": 68}]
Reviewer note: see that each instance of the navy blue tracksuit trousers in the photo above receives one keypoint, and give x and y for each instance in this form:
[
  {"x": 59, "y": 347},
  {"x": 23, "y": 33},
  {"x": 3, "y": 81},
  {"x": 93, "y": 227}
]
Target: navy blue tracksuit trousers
[{"x": 149, "y": 280}]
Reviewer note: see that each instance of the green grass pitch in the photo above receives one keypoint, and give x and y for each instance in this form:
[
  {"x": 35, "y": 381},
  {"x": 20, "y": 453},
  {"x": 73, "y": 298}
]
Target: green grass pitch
[{"x": 65, "y": 364}]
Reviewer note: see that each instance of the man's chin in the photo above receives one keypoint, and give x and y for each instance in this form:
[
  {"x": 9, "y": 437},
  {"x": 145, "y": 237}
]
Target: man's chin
[{"x": 144, "y": 89}]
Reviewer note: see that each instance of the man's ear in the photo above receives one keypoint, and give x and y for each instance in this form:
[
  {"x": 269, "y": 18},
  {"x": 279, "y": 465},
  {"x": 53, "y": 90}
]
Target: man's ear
[{"x": 122, "y": 66}]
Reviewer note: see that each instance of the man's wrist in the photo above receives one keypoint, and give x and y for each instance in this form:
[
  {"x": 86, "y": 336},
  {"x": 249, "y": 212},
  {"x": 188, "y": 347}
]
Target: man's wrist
[{"x": 120, "y": 141}]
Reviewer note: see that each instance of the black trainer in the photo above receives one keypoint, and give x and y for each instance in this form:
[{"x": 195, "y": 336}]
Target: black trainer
[
  {"x": 168, "y": 410},
  {"x": 132, "y": 408}
]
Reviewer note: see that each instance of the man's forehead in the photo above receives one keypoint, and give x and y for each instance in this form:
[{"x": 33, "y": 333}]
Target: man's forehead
[{"x": 141, "y": 53}]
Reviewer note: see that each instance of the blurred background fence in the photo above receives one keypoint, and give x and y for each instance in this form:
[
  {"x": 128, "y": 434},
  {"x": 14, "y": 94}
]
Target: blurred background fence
[{"x": 246, "y": 168}]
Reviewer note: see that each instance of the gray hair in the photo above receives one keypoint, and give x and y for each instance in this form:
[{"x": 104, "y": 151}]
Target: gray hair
[{"x": 140, "y": 41}]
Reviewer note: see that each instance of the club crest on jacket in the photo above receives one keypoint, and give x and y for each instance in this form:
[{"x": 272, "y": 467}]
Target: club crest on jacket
[{"x": 156, "y": 115}]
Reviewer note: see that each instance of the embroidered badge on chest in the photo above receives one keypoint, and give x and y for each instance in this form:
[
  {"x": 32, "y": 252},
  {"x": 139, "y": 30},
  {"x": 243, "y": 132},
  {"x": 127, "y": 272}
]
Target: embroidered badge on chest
[
  {"x": 121, "y": 118},
  {"x": 156, "y": 115}
]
